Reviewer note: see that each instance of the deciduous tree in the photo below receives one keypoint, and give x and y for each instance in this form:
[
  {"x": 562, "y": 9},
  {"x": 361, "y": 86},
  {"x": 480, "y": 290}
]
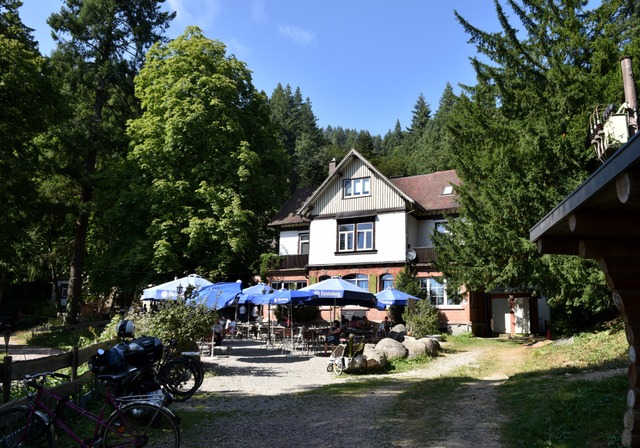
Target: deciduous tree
[{"x": 211, "y": 168}]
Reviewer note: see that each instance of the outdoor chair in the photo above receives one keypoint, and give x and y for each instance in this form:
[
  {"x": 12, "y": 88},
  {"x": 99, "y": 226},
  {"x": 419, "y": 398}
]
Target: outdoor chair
[{"x": 285, "y": 345}]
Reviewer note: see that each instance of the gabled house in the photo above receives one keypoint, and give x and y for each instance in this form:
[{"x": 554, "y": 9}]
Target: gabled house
[{"x": 364, "y": 227}]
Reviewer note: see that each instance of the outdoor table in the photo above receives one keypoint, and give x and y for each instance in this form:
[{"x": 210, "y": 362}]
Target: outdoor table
[
  {"x": 367, "y": 334},
  {"x": 245, "y": 329}
]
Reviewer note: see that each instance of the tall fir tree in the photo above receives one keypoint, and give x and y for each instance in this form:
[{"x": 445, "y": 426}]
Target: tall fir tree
[
  {"x": 101, "y": 45},
  {"x": 519, "y": 135}
]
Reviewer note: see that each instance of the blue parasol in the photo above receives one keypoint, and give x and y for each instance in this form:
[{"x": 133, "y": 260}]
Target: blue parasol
[
  {"x": 218, "y": 295},
  {"x": 171, "y": 289},
  {"x": 337, "y": 292},
  {"x": 392, "y": 296}
]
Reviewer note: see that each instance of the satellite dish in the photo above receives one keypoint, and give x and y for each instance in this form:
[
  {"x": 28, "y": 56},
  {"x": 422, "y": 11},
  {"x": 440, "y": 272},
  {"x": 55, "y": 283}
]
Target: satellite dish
[{"x": 411, "y": 254}]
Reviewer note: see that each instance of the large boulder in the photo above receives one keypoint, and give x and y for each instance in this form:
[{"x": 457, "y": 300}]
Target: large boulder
[
  {"x": 357, "y": 364},
  {"x": 398, "y": 332},
  {"x": 433, "y": 346},
  {"x": 415, "y": 347},
  {"x": 392, "y": 349},
  {"x": 376, "y": 359}
]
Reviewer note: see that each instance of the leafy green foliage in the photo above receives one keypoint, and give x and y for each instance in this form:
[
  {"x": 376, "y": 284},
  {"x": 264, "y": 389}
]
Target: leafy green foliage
[
  {"x": 101, "y": 45},
  {"x": 519, "y": 139},
  {"x": 302, "y": 139},
  {"x": 422, "y": 320},
  {"x": 210, "y": 170},
  {"x": 28, "y": 103},
  {"x": 176, "y": 319},
  {"x": 185, "y": 322}
]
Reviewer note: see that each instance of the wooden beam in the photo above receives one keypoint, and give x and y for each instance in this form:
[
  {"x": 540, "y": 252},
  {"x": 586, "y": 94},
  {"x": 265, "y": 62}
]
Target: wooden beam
[
  {"x": 628, "y": 188},
  {"x": 614, "y": 265},
  {"x": 625, "y": 281},
  {"x": 557, "y": 245},
  {"x": 602, "y": 225},
  {"x": 607, "y": 248}
]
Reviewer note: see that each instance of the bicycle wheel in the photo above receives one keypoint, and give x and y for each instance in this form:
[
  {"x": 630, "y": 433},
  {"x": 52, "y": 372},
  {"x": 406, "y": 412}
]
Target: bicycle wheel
[
  {"x": 179, "y": 377},
  {"x": 199, "y": 368},
  {"x": 21, "y": 428},
  {"x": 141, "y": 424}
]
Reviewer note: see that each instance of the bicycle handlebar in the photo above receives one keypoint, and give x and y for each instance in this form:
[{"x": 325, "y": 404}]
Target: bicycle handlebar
[{"x": 37, "y": 379}]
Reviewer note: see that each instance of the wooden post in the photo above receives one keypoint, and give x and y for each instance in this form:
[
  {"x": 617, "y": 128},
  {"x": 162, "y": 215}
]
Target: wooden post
[
  {"x": 628, "y": 84},
  {"x": 74, "y": 363},
  {"x": 6, "y": 379}
]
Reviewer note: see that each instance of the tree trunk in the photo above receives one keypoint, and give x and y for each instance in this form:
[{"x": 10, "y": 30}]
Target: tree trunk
[{"x": 76, "y": 269}]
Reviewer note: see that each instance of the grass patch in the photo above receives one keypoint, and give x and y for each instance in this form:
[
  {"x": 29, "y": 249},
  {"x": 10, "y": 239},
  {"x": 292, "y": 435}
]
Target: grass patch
[
  {"x": 552, "y": 397},
  {"x": 557, "y": 401},
  {"x": 61, "y": 339}
]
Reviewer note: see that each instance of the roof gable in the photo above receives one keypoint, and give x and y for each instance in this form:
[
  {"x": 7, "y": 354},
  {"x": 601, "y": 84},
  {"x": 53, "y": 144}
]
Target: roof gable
[
  {"x": 423, "y": 192},
  {"x": 355, "y": 164}
]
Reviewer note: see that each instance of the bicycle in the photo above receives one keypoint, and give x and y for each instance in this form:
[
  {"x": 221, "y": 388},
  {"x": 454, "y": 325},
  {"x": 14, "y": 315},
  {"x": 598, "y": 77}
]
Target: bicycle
[
  {"x": 182, "y": 374},
  {"x": 134, "y": 422}
]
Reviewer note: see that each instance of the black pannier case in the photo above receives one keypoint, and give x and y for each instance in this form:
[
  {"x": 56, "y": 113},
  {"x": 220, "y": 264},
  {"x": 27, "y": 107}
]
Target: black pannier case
[{"x": 143, "y": 351}]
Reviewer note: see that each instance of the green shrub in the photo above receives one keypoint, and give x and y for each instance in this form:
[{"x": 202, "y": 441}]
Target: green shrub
[
  {"x": 423, "y": 320},
  {"x": 186, "y": 322}
]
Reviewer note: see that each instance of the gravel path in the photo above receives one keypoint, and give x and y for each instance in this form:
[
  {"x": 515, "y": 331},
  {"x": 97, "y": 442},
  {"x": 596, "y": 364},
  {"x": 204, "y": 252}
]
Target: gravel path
[{"x": 256, "y": 403}]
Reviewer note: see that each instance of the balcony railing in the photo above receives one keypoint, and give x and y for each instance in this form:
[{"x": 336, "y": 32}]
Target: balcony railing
[
  {"x": 423, "y": 255},
  {"x": 293, "y": 261}
]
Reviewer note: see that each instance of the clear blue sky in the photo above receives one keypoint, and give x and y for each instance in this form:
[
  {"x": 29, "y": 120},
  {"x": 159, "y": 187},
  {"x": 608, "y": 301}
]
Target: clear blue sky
[{"x": 362, "y": 63}]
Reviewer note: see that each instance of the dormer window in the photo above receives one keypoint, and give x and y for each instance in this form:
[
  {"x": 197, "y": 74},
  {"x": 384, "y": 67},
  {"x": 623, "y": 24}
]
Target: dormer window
[
  {"x": 447, "y": 191},
  {"x": 357, "y": 187}
]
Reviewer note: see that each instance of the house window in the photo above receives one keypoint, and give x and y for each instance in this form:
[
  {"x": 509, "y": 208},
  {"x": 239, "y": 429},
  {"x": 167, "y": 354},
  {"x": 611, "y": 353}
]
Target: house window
[
  {"x": 447, "y": 191},
  {"x": 355, "y": 236},
  {"x": 386, "y": 281},
  {"x": 303, "y": 244},
  {"x": 288, "y": 285},
  {"x": 357, "y": 187},
  {"x": 441, "y": 227},
  {"x": 359, "y": 280},
  {"x": 436, "y": 291}
]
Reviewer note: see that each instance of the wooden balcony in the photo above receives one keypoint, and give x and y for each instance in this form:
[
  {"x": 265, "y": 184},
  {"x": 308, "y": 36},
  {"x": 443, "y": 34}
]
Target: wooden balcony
[
  {"x": 425, "y": 254},
  {"x": 293, "y": 261}
]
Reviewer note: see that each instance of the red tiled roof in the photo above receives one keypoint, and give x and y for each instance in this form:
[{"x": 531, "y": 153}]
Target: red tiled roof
[{"x": 426, "y": 189}]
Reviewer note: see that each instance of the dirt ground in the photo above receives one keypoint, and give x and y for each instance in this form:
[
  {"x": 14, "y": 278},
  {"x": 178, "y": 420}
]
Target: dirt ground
[{"x": 259, "y": 390}]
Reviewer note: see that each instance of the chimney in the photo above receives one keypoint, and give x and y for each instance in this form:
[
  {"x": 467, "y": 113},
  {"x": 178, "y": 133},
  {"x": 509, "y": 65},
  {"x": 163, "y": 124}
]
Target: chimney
[{"x": 332, "y": 166}]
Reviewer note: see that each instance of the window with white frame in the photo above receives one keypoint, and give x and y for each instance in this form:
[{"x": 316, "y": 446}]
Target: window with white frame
[
  {"x": 437, "y": 292},
  {"x": 303, "y": 244},
  {"x": 359, "y": 280},
  {"x": 357, "y": 187},
  {"x": 353, "y": 237}
]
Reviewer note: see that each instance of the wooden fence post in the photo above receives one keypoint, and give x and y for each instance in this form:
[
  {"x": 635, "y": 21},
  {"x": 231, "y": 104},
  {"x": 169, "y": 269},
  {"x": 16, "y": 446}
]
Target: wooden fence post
[{"x": 6, "y": 379}]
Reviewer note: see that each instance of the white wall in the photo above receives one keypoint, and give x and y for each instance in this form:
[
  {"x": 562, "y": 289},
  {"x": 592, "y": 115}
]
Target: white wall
[
  {"x": 425, "y": 231},
  {"x": 412, "y": 232},
  {"x": 289, "y": 242},
  {"x": 390, "y": 241}
]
